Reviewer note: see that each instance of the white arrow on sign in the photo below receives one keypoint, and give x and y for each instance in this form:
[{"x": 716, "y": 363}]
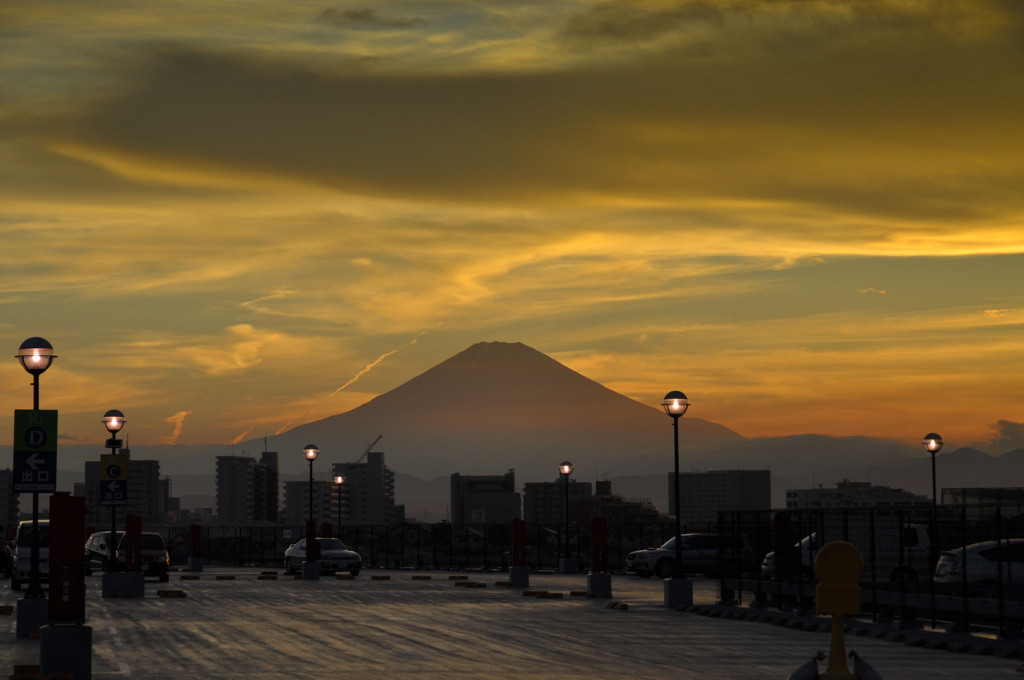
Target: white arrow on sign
[
  {"x": 114, "y": 488},
  {"x": 34, "y": 461}
]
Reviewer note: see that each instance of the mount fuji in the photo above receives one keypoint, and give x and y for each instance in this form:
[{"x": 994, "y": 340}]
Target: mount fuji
[{"x": 499, "y": 405}]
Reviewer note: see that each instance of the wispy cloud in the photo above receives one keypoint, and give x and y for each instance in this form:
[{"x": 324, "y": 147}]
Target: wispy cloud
[
  {"x": 178, "y": 421},
  {"x": 366, "y": 17},
  {"x": 658, "y": 191},
  {"x": 351, "y": 381}
]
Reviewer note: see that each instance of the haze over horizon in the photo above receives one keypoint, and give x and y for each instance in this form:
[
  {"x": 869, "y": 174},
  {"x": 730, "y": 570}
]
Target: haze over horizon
[{"x": 234, "y": 219}]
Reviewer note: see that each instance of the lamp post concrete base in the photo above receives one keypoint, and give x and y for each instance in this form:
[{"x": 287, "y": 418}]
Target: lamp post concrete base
[
  {"x": 33, "y": 613},
  {"x": 519, "y": 576},
  {"x": 566, "y": 565},
  {"x": 66, "y": 649},
  {"x": 124, "y": 584},
  {"x": 678, "y": 592},
  {"x": 311, "y": 569},
  {"x": 599, "y": 584},
  {"x": 195, "y": 564}
]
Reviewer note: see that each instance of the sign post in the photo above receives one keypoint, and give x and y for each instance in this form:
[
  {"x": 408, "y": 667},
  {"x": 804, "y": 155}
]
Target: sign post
[
  {"x": 35, "y": 471},
  {"x": 113, "y": 492}
]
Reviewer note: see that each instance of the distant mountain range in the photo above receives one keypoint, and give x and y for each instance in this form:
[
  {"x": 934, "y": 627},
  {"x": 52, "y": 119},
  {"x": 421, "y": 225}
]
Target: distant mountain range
[{"x": 498, "y": 405}]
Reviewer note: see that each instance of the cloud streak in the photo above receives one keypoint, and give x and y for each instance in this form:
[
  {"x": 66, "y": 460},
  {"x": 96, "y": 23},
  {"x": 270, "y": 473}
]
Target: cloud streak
[{"x": 178, "y": 422}]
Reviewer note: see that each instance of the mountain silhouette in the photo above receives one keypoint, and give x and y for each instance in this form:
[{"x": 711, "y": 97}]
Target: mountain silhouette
[{"x": 499, "y": 405}]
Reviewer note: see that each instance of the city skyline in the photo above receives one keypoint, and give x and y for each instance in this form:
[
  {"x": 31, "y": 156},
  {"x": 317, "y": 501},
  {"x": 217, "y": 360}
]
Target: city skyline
[{"x": 232, "y": 220}]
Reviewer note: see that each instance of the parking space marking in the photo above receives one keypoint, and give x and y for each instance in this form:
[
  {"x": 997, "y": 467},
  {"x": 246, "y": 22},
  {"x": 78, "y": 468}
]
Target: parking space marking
[{"x": 123, "y": 668}]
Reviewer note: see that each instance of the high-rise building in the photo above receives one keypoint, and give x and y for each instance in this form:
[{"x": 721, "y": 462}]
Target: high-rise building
[
  {"x": 147, "y": 494},
  {"x": 369, "y": 490},
  {"x": 620, "y": 510},
  {"x": 703, "y": 495},
  {"x": 544, "y": 502},
  {"x": 482, "y": 499},
  {"x": 8, "y": 505},
  {"x": 247, "y": 489},
  {"x": 296, "y": 502}
]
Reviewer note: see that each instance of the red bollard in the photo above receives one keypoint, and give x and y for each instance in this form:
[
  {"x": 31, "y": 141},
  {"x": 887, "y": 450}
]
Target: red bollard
[
  {"x": 599, "y": 581},
  {"x": 518, "y": 573},
  {"x": 67, "y": 573},
  {"x": 518, "y": 543},
  {"x": 133, "y": 543},
  {"x": 195, "y": 548}
]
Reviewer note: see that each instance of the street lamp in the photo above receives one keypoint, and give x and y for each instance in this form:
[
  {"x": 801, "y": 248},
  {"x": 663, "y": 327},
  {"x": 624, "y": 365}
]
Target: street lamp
[
  {"x": 113, "y": 420},
  {"x": 35, "y": 355},
  {"x": 338, "y": 481},
  {"x": 309, "y": 568},
  {"x": 675, "y": 405},
  {"x": 566, "y": 469},
  {"x": 932, "y": 443}
]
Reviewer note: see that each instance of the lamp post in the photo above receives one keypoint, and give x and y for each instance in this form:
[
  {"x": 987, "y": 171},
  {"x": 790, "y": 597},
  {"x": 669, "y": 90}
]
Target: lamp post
[
  {"x": 566, "y": 469},
  {"x": 310, "y": 568},
  {"x": 113, "y": 420},
  {"x": 338, "y": 481},
  {"x": 932, "y": 444},
  {"x": 678, "y": 590},
  {"x": 35, "y": 356}
]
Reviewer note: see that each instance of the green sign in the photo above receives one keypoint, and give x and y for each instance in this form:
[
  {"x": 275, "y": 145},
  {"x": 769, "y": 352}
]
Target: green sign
[{"x": 35, "y": 451}]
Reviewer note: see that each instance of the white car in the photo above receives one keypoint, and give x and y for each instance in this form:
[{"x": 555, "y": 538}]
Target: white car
[
  {"x": 700, "y": 553},
  {"x": 334, "y": 556},
  {"x": 21, "y": 557},
  {"x": 986, "y": 562}
]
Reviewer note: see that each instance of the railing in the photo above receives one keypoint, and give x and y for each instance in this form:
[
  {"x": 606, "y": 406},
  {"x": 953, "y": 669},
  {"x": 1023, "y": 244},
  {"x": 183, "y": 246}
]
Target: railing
[
  {"x": 900, "y": 549},
  {"x": 420, "y": 546}
]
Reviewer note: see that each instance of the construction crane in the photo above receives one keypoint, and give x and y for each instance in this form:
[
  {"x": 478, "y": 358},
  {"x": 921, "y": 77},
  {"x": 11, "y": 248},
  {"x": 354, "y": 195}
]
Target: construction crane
[{"x": 369, "y": 448}]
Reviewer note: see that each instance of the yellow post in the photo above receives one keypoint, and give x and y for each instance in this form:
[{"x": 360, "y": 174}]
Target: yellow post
[{"x": 838, "y": 566}]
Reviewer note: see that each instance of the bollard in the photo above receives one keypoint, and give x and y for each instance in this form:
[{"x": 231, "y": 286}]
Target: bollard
[
  {"x": 123, "y": 584},
  {"x": 66, "y": 649},
  {"x": 518, "y": 572},
  {"x": 838, "y": 566}
]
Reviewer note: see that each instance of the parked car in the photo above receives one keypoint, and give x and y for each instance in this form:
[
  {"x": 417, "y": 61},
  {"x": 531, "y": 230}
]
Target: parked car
[
  {"x": 334, "y": 556},
  {"x": 986, "y": 562},
  {"x": 21, "y": 554},
  {"x": 700, "y": 553},
  {"x": 900, "y": 549},
  {"x": 155, "y": 559}
]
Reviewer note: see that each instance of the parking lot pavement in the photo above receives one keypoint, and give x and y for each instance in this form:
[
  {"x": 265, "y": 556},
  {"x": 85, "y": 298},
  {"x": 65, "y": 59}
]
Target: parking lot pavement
[{"x": 233, "y": 624}]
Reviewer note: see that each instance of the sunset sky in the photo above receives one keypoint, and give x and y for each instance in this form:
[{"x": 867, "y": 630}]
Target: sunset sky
[{"x": 232, "y": 218}]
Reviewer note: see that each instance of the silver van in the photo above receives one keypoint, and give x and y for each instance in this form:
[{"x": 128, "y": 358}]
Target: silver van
[{"x": 21, "y": 558}]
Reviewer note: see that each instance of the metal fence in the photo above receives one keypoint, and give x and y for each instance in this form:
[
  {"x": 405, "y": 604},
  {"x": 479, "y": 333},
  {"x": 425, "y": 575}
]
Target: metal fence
[
  {"x": 420, "y": 546},
  {"x": 901, "y": 549}
]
